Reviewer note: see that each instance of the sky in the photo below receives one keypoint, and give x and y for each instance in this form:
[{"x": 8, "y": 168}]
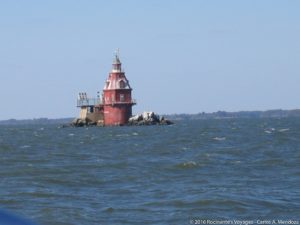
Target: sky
[{"x": 183, "y": 56}]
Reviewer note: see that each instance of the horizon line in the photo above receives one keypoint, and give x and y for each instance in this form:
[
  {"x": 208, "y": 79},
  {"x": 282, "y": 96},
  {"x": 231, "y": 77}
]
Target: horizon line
[{"x": 164, "y": 114}]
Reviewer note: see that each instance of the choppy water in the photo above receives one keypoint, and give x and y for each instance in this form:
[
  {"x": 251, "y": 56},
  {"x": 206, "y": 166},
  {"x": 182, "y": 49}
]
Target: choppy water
[{"x": 210, "y": 169}]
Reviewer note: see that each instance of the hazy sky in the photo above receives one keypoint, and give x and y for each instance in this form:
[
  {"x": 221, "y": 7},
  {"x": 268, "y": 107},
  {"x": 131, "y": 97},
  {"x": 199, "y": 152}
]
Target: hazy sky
[{"x": 179, "y": 56}]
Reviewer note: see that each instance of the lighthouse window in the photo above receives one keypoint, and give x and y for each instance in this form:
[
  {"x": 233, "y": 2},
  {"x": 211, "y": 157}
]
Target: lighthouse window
[
  {"x": 122, "y": 84},
  {"x": 122, "y": 97}
]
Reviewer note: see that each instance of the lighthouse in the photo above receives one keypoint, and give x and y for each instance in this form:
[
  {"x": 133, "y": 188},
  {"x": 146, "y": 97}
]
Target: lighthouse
[
  {"x": 114, "y": 106},
  {"x": 116, "y": 98}
]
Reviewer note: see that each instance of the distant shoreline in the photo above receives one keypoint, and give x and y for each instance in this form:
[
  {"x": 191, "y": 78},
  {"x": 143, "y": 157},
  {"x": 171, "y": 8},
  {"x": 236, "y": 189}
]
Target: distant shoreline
[
  {"x": 277, "y": 113},
  {"x": 36, "y": 121}
]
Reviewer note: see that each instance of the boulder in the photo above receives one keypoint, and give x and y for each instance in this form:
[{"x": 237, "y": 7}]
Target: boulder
[
  {"x": 100, "y": 123},
  {"x": 136, "y": 118},
  {"x": 148, "y": 118},
  {"x": 78, "y": 122}
]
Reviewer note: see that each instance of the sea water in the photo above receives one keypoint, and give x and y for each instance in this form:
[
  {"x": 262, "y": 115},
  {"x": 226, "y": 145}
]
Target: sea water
[{"x": 192, "y": 172}]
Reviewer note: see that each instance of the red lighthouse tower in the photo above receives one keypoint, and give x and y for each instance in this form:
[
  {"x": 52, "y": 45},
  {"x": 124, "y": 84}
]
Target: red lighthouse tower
[{"x": 116, "y": 98}]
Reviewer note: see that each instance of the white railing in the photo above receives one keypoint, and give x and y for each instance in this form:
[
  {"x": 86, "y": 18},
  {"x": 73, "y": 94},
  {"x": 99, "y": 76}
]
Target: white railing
[
  {"x": 88, "y": 102},
  {"x": 97, "y": 101},
  {"x": 110, "y": 102}
]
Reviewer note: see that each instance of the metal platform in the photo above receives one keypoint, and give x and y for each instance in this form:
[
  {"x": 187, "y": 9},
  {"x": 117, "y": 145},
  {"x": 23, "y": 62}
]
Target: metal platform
[{"x": 88, "y": 102}]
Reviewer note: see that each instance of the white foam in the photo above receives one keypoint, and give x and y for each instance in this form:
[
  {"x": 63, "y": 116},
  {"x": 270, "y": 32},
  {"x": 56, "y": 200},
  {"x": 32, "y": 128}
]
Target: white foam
[
  {"x": 190, "y": 163},
  {"x": 25, "y": 146},
  {"x": 122, "y": 135},
  {"x": 284, "y": 130},
  {"x": 220, "y": 138}
]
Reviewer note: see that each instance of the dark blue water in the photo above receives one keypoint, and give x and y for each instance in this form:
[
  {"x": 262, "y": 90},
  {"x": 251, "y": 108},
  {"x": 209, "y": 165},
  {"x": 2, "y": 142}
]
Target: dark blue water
[{"x": 202, "y": 169}]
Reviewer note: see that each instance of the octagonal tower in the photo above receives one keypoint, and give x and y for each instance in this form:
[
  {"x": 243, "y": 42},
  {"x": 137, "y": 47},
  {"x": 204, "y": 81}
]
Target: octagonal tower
[{"x": 116, "y": 99}]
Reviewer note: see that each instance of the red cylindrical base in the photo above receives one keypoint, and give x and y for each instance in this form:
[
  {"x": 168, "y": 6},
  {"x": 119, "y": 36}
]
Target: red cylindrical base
[{"x": 117, "y": 114}]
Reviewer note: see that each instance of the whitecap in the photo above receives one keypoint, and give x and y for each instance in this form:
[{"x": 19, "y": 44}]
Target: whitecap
[
  {"x": 71, "y": 134},
  {"x": 25, "y": 146},
  {"x": 268, "y": 132},
  {"x": 99, "y": 160},
  {"x": 135, "y": 133},
  {"x": 190, "y": 163},
  {"x": 122, "y": 135},
  {"x": 187, "y": 165},
  {"x": 284, "y": 129},
  {"x": 220, "y": 138}
]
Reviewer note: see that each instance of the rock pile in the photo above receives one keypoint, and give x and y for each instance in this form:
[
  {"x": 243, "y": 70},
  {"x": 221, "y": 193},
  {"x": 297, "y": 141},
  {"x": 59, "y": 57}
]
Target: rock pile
[
  {"x": 148, "y": 118},
  {"x": 78, "y": 122}
]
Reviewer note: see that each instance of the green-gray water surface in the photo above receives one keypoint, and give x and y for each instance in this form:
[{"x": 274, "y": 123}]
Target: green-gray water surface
[{"x": 245, "y": 169}]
